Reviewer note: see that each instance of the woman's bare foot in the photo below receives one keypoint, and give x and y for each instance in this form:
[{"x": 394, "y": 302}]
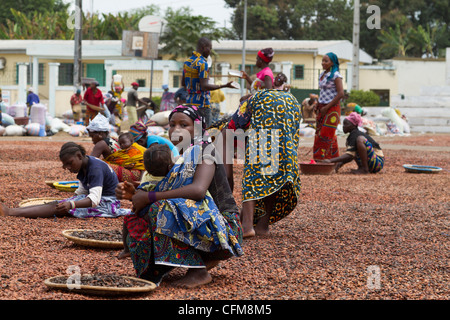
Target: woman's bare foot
[
  {"x": 359, "y": 171},
  {"x": 262, "y": 226},
  {"x": 211, "y": 264},
  {"x": 262, "y": 231},
  {"x": 193, "y": 278},
  {"x": 124, "y": 254},
  {"x": 248, "y": 232},
  {"x": 4, "y": 211}
]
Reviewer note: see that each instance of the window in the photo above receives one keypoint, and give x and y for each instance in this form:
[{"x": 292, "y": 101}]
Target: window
[
  {"x": 65, "y": 74},
  {"x": 141, "y": 82},
  {"x": 176, "y": 81},
  {"x": 30, "y": 74},
  {"x": 96, "y": 71},
  {"x": 299, "y": 72},
  {"x": 250, "y": 69}
]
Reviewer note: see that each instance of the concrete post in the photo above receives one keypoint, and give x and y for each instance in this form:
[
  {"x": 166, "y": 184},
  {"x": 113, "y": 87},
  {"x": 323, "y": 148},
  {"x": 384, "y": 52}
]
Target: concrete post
[
  {"x": 23, "y": 79},
  {"x": 165, "y": 76},
  {"x": 36, "y": 75},
  {"x": 53, "y": 73},
  {"x": 108, "y": 75},
  {"x": 225, "y": 67},
  {"x": 286, "y": 67},
  {"x": 447, "y": 64}
]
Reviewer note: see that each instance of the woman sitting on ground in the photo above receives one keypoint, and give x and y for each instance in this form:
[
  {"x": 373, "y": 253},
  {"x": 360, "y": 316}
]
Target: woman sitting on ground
[
  {"x": 98, "y": 130},
  {"x": 95, "y": 196},
  {"x": 191, "y": 219},
  {"x": 361, "y": 147}
]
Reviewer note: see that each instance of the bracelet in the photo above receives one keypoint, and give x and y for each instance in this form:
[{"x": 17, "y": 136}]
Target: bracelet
[
  {"x": 152, "y": 196},
  {"x": 72, "y": 204}
]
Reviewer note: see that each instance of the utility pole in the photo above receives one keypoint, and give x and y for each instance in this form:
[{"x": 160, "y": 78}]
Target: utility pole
[
  {"x": 78, "y": 39},
  {"x": 244, "y": 36},
  {"x": 355, "y": 58}
]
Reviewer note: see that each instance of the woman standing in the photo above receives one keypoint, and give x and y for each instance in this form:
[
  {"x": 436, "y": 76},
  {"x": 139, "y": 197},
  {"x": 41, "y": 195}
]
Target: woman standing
[
  {"x": 264, "y": 78},
  {"x": 328, "y": 109},
  {"x": 271, "y": 182},
  {"x": 93, "y": 98}
]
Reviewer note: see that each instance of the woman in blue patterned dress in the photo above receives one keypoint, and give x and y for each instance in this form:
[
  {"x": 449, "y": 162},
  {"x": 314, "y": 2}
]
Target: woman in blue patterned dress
[{"x": 191, "y": 218}]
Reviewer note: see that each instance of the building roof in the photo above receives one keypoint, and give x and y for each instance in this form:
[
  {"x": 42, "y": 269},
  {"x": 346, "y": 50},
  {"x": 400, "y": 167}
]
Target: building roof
[
  {"x": 112, "y": 49},
  {"x": 342, "y": 48},
  {"x": 63, "y": 49}
]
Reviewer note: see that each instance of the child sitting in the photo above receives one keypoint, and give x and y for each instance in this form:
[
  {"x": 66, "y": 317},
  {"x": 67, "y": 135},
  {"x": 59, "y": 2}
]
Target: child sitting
[
  {"x": 157, "y": 162},
  {"x": 361, "y": 147},
  {"x": 95, "y": 196}
]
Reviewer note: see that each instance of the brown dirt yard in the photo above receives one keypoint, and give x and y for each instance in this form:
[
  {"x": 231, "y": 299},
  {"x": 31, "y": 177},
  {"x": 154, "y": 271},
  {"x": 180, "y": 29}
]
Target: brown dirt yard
[{"x": 374, "y": 237}]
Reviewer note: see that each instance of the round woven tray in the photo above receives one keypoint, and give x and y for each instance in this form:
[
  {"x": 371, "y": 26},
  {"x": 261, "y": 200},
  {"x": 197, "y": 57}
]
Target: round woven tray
[
  {"x": 100, "y": 290},
  {"x": 68, "y": 186},
  {"x": 91, "y": 242},
  {"x": 37, "y": 201}
]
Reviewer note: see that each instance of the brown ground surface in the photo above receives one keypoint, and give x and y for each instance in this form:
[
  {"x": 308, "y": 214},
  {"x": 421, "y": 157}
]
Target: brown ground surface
[{"x": 344, "y": 224}]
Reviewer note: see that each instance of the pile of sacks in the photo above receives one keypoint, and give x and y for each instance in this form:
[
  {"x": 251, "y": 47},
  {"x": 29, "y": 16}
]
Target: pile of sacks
[
  {"x": 39, "y": 123},
  {"x": 389, "y": 122}
]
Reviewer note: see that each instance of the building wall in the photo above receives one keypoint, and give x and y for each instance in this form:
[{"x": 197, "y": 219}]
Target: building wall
[{"x": 413, "y": 74}]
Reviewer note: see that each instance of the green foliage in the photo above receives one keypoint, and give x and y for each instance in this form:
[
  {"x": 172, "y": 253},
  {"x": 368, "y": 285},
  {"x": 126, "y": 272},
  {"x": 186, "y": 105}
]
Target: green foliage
[
  {"x": 183, "y": 31},
  {"x": 363, "y": 98},
  {"x": 424, "y": 27}
]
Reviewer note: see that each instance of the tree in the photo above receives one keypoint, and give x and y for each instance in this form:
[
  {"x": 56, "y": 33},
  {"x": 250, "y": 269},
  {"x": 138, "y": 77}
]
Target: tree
[
  {"x": 183, "y": 31},
  {"x": 396, "y": 41},
  {"x": 29, "y": 7}
]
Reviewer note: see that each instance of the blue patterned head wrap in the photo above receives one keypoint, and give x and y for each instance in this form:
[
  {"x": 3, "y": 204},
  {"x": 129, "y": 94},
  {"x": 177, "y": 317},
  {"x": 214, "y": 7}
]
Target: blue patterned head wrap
[{"x": 335, "y": 66}]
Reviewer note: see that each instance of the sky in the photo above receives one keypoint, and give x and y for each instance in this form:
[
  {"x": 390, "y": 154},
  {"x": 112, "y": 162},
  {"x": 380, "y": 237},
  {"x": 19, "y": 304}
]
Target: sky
[{"x": 215, "y": 9}]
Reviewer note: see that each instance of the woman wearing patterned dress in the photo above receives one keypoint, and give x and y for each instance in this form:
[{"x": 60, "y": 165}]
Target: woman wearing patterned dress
[
  {"x": 191, "y": 218},
  {"x": 328, "y": 109},
  {"x": 271, "y": 181}
]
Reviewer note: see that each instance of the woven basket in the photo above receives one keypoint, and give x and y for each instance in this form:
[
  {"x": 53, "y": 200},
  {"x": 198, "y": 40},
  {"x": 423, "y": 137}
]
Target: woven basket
[
  {"x": 68, "y": 186},
  {"x": 37, "y": 201},
  {"x": 91, "y": 242},
  {"x": 98, "y": 290}
]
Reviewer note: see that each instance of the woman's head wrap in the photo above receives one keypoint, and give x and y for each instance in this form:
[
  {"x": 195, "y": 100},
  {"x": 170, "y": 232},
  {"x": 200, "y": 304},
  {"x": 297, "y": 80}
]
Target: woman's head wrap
[
  {"x": 335, "y": 66},
  {"x": 354, "y": 118},
  {"x": 138, "y": 130},
  {"x": 193, "y": 113},
  {"x": 99, "y": 124},
  {"x": 266, "y": 54}
]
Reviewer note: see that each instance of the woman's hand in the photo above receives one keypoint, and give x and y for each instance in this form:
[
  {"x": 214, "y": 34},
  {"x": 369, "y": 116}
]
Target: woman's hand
[
  {"x": 323, "y": 111},
  {"x": 125, "y": 191},
  {"x": 140, "y": 200},
  {"x": 63, "y": 207}
]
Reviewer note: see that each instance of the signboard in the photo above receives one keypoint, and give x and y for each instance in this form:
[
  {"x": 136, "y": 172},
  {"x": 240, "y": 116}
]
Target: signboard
[
  {"x": 6, "y": 97},
  {"x": 140, "y": 44},
  {"x": 152, "y": 24}
]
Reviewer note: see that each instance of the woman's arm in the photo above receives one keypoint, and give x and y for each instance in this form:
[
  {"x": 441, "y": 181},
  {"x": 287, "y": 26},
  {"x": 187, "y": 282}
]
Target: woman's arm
[
  {"x": 99, "y": 149},
  {"x": 345, "y": 158},
  {"x": 195, "y": 191},
  {"x": 268, "y": 82},
  {"x": 206, "y": 86}
]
